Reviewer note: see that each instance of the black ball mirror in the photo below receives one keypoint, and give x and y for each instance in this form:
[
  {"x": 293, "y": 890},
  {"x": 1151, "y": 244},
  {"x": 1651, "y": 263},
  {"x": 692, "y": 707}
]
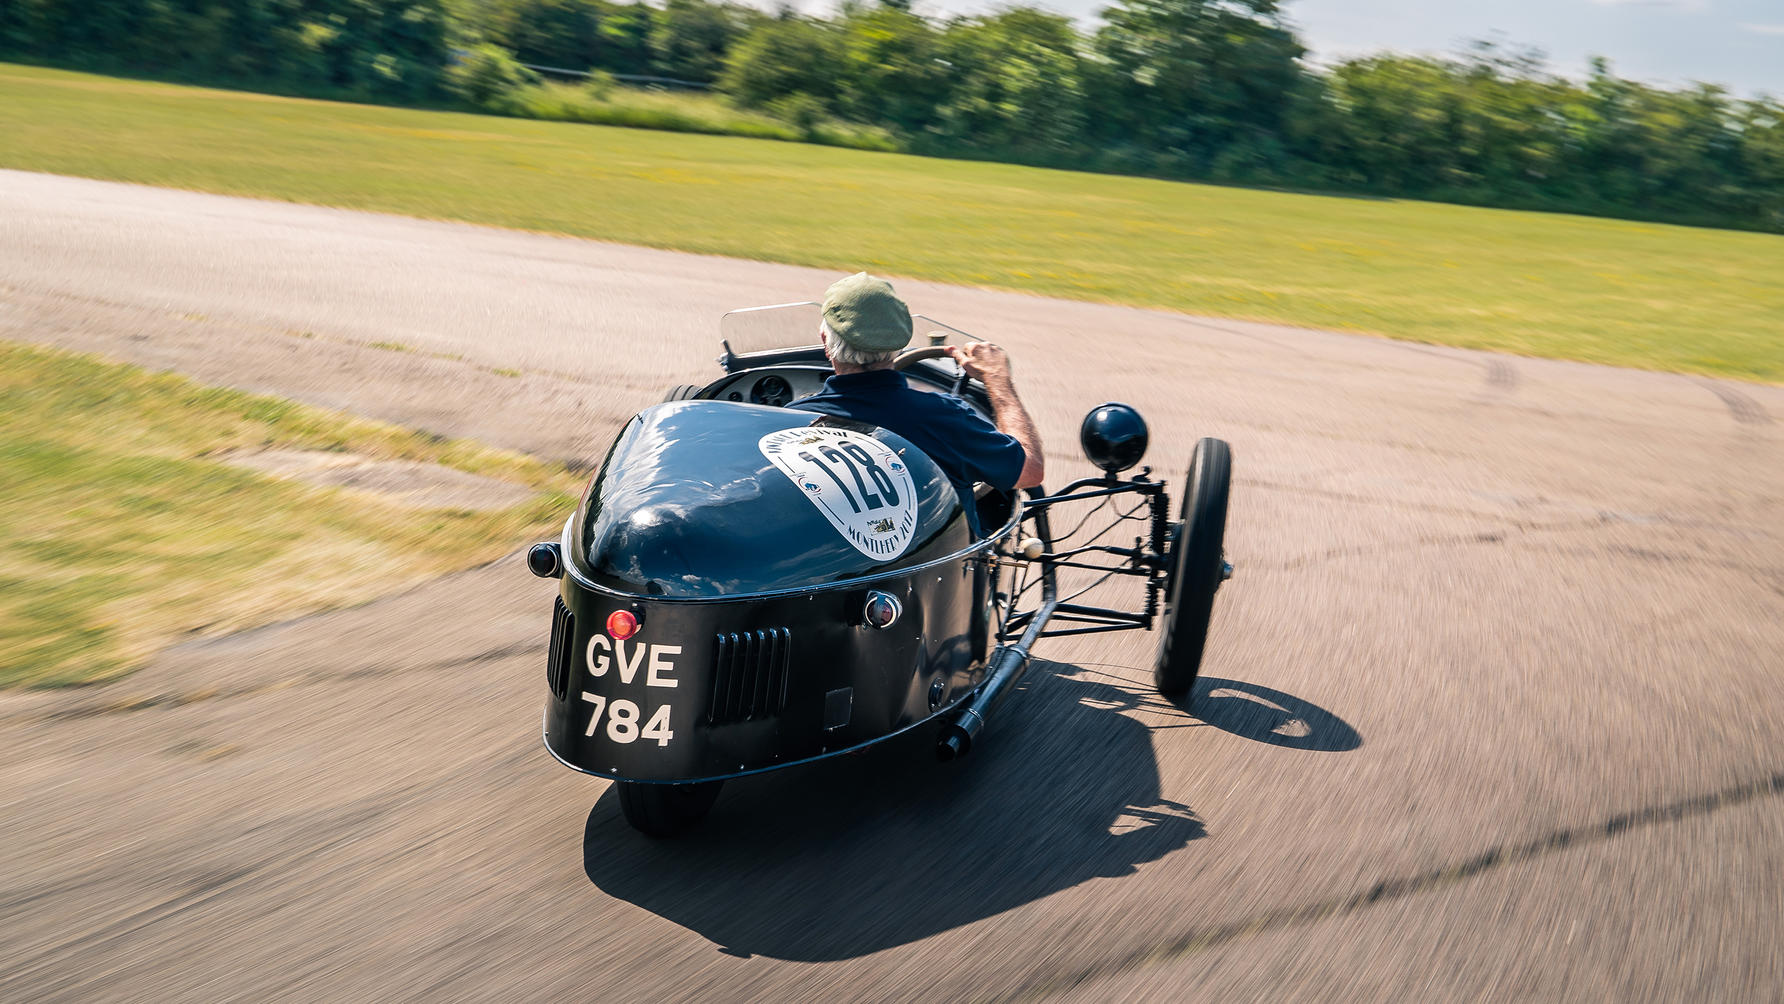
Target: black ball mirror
[{"x": 1113, "y": 436}]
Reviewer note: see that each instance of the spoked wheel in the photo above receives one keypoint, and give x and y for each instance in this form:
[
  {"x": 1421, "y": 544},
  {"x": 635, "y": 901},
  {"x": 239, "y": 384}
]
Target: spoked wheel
[
  {"x": 666, "y": 810},
  {"x": 1198, "y": 566},
  {"x": 683, "y": 392}
]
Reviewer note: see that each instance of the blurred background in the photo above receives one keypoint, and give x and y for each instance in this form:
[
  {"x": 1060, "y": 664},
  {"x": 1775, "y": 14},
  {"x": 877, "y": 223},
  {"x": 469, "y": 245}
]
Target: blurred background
[
  {"x": 1649, "y": 110},
  {"x": 315, "y": 313}
]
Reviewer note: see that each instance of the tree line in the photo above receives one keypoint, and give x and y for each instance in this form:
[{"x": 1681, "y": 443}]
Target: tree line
[{"x": 1194, "y": 89}]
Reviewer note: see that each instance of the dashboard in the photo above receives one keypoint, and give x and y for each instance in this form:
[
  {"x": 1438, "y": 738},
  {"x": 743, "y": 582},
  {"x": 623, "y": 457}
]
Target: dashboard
[
  {"x": 774, "y": 386},
  {"x": 780, "y": 386}
]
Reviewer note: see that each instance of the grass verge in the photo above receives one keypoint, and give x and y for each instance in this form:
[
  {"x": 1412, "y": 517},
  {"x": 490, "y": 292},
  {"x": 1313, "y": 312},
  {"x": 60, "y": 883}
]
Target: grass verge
[
  {"x": 120, "y": 531},
  {"x": 1610, "y": 291}
]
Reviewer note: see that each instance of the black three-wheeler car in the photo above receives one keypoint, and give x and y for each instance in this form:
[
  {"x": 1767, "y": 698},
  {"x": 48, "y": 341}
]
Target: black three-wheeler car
[{"x": 746, "y": 587}]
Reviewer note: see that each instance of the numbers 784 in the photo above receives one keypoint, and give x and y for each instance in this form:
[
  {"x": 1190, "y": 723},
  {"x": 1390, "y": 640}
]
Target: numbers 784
[{"x": 622, "y": 720}]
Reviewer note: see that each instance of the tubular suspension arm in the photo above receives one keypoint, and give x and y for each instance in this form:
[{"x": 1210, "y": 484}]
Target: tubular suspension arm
[{"x": 1008, "y": 664}]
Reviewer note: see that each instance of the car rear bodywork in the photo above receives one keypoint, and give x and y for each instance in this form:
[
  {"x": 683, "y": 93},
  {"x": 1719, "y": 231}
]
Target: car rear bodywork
[{"x": 719, "y": 529}]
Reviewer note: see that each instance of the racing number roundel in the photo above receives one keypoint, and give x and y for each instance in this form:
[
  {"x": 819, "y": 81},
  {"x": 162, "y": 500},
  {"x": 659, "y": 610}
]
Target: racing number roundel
[{"x": 856, "y": 481}]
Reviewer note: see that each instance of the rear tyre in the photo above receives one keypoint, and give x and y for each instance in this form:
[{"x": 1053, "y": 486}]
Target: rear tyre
[
  {"x": 1197, "y": 568},
  {"x": 666, "y": 810},
  {"x": 683, "y": 392}
]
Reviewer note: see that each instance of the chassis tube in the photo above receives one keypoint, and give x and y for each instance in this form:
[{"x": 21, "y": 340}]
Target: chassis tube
[{"x": 1008, "y": 664}]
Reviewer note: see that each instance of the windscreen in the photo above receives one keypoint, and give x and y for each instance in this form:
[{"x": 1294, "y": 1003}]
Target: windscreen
[
  {"x": 793, "y": 325},
  {"x": 780, "y": 326}
]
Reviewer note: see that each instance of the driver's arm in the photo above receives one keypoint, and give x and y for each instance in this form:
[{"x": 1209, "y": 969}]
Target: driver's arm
[{"x": 990, "y": 365}]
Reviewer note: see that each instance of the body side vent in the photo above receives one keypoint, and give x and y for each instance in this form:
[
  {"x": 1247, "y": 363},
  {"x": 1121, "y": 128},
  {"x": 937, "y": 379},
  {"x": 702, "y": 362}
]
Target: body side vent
[
  {"x": 750, "y": 675},
  {"x": 563, "y": 649}
]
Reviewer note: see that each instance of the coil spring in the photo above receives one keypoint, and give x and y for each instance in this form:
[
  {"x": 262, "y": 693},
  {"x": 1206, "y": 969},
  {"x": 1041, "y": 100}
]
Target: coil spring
[
  {"x": 1161, "y": 532},
  {"x": 1161, "y": 522}
]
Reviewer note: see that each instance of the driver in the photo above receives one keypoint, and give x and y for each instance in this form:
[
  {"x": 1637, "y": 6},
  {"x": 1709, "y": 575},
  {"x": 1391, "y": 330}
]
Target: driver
[{"x": 865, "y": 326}]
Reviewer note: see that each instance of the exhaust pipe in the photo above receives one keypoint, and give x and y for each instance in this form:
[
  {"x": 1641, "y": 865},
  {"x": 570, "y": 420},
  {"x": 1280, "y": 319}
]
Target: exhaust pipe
[
  {"x": 1007, "y": 667},
  {"x": 1008, "y": 663}
]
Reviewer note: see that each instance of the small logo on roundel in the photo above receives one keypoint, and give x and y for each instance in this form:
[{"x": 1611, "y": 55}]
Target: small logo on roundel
[{"x": 810, "y": 486}]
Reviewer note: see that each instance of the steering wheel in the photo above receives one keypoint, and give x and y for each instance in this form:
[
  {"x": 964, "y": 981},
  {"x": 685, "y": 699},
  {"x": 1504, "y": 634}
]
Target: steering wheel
[{"x": 909, "y": 356}]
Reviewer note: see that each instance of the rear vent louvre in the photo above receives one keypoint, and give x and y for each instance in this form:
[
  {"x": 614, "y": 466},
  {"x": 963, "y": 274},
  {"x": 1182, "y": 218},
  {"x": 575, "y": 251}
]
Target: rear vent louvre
[
  {"x": 749, "y": 675},
  {"x": 563, "y": 649}
]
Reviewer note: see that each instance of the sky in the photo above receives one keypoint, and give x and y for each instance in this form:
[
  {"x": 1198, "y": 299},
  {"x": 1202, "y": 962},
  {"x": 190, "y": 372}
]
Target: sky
[{"x": 1736, "y": 43}]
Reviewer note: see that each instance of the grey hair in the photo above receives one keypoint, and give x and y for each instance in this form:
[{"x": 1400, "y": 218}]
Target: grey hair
[{"x": 842, "y": 352}]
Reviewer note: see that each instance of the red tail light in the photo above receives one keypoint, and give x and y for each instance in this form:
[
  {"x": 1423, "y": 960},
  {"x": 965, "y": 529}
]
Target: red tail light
[{"x": 622, "y": 624}]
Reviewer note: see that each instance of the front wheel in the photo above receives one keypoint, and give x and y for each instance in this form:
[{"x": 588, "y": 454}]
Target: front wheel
[
  {"x": 683, "y": 392},
  {"x": 666, "y": 810},
  {"x": 1198, "y": 566}
]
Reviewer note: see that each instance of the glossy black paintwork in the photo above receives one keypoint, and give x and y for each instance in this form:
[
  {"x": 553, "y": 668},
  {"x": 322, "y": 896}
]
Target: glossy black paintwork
[
  {"x": 686, "y": 505},
  {"x": 897, "y": 677},
  {"x": 688, "y": 526},
  {"x": 691, "y": 528}
]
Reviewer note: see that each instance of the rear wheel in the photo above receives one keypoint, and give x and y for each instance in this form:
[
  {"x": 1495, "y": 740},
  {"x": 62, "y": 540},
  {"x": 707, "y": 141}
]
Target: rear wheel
[
  {"x": 666, "y": 810},
  {"x": 1198, "y": 566},
  {"x": 683, "y": 392}
]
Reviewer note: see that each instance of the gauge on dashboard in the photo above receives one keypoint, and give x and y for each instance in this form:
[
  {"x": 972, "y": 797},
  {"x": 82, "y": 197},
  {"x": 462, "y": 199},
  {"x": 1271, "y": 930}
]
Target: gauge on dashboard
[{"x": 773, "y": 391}]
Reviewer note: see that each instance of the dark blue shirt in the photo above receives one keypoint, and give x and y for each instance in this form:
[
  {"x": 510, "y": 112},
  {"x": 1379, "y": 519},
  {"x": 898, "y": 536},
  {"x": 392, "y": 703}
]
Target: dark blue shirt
[{"x": 965, "y": 446}]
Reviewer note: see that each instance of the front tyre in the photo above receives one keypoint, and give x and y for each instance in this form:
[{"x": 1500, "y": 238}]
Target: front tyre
[
  {"x": 1197, "y": 568},
  {"x": 666, "y": 810},
  {"x": 683, "y": 392}
]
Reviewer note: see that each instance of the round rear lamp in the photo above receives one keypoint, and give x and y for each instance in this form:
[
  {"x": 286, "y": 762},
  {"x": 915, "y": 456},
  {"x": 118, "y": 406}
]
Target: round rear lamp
[
  {"x": 882, "y": 610},
  {"x": 622, "y": 624},
  {"x": 545, "y": 560}
]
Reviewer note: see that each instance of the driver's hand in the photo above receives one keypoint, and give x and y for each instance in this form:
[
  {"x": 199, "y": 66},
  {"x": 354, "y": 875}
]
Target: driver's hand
[{"x": 983, "y": 361}]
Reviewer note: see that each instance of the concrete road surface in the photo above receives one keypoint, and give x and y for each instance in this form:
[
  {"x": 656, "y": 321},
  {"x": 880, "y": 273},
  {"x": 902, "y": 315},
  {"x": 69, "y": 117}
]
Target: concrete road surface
[{"x": 1493, "y": 710}]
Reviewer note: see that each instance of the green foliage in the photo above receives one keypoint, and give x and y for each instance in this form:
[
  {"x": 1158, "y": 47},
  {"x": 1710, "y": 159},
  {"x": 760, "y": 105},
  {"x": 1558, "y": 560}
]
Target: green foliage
[
  {"x": 1017, "y": 83},
  {"x": 1192, "y": 76},
  {"x": 602, "y": 103},
  {"x": 801, "y": 111},
  {"x": 488, "y": 77},
  {"x": 1761, "y": 126},
  {"x": 600, "y": 86},
  {"x": 890, "y": 73},
  {"x": 784, "y": 57},
  {"x": 1495, "y": 128},
  {"x": 682, "y": 39},
  {"x": 689, "y": 38},
  {"x": 1189, "y": 89},
  {"x": 571, "y": 34},
  {"x": 393, "y": 49}
]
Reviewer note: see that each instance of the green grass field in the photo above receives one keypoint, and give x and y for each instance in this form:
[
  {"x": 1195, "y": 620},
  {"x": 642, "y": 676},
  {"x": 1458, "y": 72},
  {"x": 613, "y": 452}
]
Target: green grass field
[
  {"x": 120, "y": 531},
  {"x": 1632, "y": 294}
]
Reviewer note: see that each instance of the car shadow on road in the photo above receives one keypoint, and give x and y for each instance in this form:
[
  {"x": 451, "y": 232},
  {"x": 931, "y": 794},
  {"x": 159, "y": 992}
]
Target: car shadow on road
[
  {"x": 854, "y": 855},
  {"x": 1268, "y": 716}
]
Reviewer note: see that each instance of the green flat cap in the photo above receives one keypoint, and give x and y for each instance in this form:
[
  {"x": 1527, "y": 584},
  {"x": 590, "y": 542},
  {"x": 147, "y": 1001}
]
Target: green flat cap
[{"x": 865, "y": 313}]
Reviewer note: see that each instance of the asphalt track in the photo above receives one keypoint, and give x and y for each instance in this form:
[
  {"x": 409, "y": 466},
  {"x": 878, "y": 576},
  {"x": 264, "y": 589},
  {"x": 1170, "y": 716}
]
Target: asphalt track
[{"x": 1492, "y": 709}]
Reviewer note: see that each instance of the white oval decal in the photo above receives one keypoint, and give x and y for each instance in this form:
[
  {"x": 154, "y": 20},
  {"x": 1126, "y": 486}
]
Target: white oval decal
[{"x": 856, "y": 481}]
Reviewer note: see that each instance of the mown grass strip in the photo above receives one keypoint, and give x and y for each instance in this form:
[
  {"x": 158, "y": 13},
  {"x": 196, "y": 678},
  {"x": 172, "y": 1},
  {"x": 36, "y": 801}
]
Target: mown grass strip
[
  {"x": 1633, "y": 294},
  {"x": 121, "y": 531}
]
